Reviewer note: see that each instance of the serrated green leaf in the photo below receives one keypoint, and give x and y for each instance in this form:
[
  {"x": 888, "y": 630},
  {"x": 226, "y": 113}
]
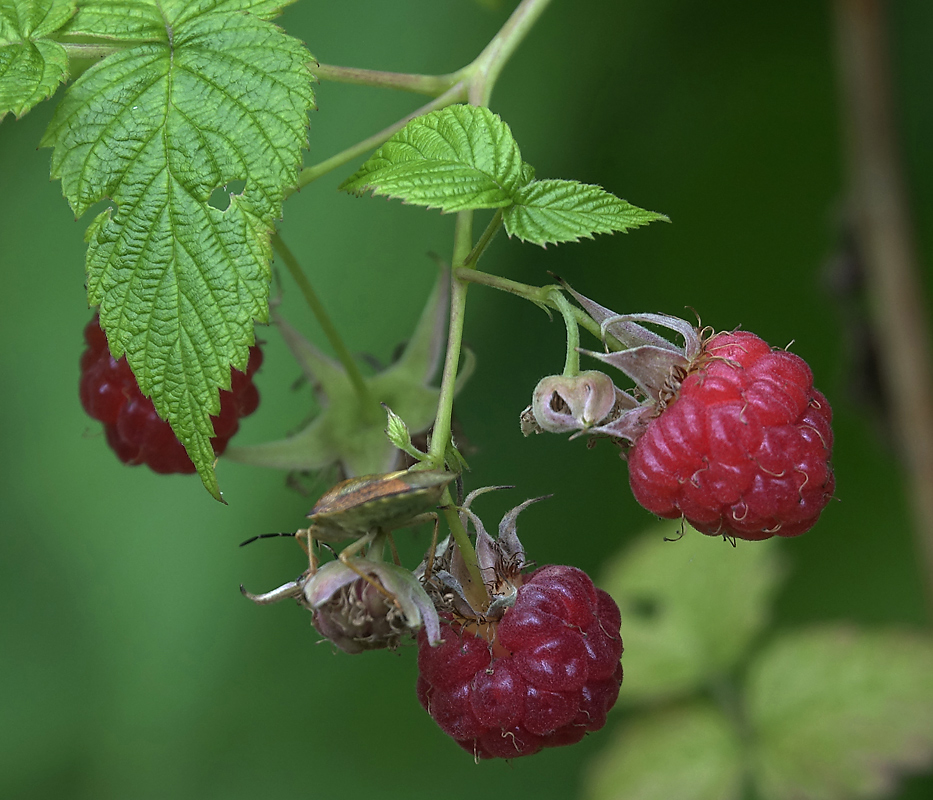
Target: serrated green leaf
[
  {"x": 458, "y": 158},
  {"x": 838, "y": 712},
  {"x": 156, "y": 128},
  {"x": 554, "y": 211},
  {"x": 126, "y": 20},
  {"x": 143, "y": 20},
  {"x": 688, "y": 753},
  {"x": 31, "y": 65},
  {"x": 689, "y": 607}
]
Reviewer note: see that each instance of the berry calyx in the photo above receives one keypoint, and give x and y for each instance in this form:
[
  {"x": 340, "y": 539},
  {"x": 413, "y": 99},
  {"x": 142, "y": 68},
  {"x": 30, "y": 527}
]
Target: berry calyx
[
  {"x": 742, "y": 447},
  {"x": 542, "y": 675},
  {"x": 134, "y": 430}
]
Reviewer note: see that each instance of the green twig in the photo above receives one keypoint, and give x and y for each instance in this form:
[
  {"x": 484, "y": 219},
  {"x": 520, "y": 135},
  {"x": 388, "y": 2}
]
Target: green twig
[
  {"x": 432, "y": 85},
  {"x": 485, "y": 239},
  {"x": 458, "y": 291},
  {"x": 487, "y": 66},
  {"x": 572, "y": 361},
  {"x": 542, "y": 296},
  {"x": 455, "y": 94}
]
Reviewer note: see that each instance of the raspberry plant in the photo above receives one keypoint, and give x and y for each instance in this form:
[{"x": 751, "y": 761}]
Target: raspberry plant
[{"x": 188, "y": 102}]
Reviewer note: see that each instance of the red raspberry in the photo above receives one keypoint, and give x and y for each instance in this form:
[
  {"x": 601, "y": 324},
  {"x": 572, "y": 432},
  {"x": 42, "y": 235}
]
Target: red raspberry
[
  {"x": 134, "y": 431},
  {"x": 542, "y": 676},
  {"x": 743, "y": 449}
]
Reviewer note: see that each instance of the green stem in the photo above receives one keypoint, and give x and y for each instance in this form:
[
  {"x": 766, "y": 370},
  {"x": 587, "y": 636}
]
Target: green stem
[
  {"x": 368, "y": 404},
  {"x": 432, "y": 85},
  {"x": 455, "y": 94},
  {"x": 475, "y": 592},
  {"x": 489, "y": 64},
  {"x": 440, "y": 436},
  {"x": 485, "y": 240},
  {"x": 539, "y": 295},
  {"x": 572, "y": 361}
]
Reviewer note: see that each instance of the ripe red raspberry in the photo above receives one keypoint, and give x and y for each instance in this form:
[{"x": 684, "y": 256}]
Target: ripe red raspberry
[
  {"x": 134, "y": 431},
  {"x": 743, "y": 448},
  {"x": 542, "y": 676}
]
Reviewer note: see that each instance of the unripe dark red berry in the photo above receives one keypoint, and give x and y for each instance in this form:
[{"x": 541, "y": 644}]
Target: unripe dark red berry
[
  {"x": 134, "y": 431},
  {"x": 543, "y": 675}
]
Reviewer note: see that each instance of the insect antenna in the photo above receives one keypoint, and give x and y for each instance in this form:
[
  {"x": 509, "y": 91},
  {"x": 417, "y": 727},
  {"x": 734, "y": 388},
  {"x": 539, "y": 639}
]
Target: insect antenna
[{"x": 264, "y": 536}]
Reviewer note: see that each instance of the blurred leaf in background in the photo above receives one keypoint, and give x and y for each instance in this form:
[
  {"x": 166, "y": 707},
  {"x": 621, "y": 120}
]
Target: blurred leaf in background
[
  {"x": 824, "y": 713},
  {"x": 131, "y": 667}
]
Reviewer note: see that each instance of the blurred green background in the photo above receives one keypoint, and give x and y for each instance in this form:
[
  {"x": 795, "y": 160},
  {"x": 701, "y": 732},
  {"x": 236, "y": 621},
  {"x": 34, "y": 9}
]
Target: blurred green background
[{"x": 130, "y": 666}]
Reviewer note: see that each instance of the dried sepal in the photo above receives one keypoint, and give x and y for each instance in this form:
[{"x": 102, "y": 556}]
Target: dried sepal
[
  {"x": 360, "y": 613},
  {"x": 653, "y": 369},
  {"x": 375, "y": 612},
  {"x": 501, "y": 562}
]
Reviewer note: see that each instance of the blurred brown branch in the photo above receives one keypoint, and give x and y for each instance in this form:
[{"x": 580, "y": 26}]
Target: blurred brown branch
[{"x": 882, "y": 223}]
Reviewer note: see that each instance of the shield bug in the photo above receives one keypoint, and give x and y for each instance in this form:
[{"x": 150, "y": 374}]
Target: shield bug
[
  {"x": 381, "y": 502},
  {"x": 363, "y": 508}
]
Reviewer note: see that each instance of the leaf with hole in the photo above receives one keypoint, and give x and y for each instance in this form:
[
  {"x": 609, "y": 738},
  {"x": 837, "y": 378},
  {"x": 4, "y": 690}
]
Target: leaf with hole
[{"x": 211, "y": 95}]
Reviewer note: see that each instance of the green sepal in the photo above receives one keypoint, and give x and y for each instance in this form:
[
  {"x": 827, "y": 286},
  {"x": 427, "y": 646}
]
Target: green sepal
[
  {"x": 344, "y": 432},
  {"x": 31, "y": 64},
  {"x": 454, "y": 459}
]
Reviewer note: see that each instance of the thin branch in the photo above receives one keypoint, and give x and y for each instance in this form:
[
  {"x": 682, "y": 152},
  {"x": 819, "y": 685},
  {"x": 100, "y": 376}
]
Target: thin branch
[
  {"x": 887, "y": 245},
  {"x": 432, "y": 85}
]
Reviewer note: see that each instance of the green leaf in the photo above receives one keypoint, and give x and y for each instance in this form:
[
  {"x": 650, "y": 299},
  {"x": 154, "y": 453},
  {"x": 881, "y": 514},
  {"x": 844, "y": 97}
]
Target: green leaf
[
  {"x": 553, "y": 211},
  {"x": 464, "y": 157},
  {"x": 690, "y": 607},
  {"x": 31, "y": 64},
  {"x": 126, "y": 20},
  {"x": 838, "y": 712},
  {"x": 222, "y": 96},
  {"x": 461, "y": 157},
  {"x": 142, "y": 20},
  {"x": 398, "y": 434},
  {"x": 688, "y": 753}
]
